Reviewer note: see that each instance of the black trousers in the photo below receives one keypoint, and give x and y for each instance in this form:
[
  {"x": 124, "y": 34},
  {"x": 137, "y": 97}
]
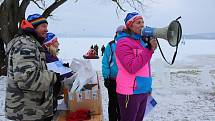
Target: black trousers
[{"x": 113, "y": 105}]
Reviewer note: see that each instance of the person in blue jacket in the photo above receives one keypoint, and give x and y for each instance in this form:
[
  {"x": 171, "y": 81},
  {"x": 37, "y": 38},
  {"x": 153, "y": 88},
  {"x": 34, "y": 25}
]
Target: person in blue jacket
[{"x": 109, "y": 72}]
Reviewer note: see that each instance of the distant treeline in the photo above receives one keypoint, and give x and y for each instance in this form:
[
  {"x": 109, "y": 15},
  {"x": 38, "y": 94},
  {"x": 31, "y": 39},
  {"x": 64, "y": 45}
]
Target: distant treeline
[
  {"x": 200, "y": 36},
  {"x": 185, "y": 36}
]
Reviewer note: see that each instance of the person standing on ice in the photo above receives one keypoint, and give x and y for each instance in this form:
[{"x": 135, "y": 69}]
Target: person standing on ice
[
  {"x": 134, "y": 79},
  {"x": 29, "y": 91},
  {"x": 102, "y": 50},
  {"x": 91, "y": 47},
  {"x": 96, "y": 48},
  {"x": 109, "y": 72},
  {"x": 51, "y": 46}
]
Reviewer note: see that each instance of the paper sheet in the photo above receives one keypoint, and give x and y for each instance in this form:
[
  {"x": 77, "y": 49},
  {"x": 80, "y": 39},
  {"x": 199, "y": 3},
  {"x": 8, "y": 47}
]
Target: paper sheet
[
  {"x": 151, "y": 103},
  {"x": 58, "y": 67}
]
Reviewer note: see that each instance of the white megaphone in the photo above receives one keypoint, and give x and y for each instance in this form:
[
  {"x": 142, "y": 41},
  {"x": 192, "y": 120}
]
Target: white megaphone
[{"x": 171, "y": 33}]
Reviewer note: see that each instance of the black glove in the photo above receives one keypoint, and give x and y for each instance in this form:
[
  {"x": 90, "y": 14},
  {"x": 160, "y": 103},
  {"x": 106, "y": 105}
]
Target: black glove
[
  {"x": 56, "y": 92},
  {"x": 66, "y": 64},
  {"x": 59, "y": 77},
  {"x": 57, "y": 89},
  {"x": 107, "y": 83},
  {"x": 88, "y": 87}
]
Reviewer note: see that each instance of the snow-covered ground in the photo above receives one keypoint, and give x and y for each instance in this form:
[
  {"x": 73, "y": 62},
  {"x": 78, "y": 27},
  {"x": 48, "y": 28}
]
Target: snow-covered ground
[
  {"x": 184, "y": 91},
  {"x": 2, "y": 98}
]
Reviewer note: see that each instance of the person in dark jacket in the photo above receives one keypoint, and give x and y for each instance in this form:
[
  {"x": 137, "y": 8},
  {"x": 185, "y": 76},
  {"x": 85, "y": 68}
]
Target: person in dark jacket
[
  {"x": 103, "y": 49},
  {"x": 96, "y": 48},
  {"x": 91, "y": 47}
]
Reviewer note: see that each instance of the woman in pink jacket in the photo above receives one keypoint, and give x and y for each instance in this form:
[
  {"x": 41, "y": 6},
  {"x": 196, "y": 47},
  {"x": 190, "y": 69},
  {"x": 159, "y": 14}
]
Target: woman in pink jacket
[{"x": 133, "y": 55}]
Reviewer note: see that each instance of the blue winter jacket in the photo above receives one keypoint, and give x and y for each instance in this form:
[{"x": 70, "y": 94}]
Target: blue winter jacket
[{"x": 109, "y": 66}]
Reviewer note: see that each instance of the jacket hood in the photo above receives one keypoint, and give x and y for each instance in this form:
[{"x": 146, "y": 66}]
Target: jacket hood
[
  {"x": 26, "y": 28},
  {"x": 121, "y": 35}
]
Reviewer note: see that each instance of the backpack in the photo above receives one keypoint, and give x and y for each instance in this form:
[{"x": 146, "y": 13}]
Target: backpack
[{"x": 111, "y": 51}]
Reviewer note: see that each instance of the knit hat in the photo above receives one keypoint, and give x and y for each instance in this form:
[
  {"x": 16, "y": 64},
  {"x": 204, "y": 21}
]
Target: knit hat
[
  {"x": 50, "y": 39},
  {"x": 131, "y": 17},
  {"x": 36, "y": 19}
]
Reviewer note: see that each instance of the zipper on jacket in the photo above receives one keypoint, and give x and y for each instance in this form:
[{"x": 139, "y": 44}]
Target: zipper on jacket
[{"x": 134, "y": 84}]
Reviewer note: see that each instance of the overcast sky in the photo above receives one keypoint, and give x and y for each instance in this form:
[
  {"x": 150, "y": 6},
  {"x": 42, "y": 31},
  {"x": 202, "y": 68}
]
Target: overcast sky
[{"x": 99, "y": 18}]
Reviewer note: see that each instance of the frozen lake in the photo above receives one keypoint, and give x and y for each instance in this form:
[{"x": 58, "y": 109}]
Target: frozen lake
[
  {"x": 184, "y": 91},
  {"x": 76, "y": 47}
]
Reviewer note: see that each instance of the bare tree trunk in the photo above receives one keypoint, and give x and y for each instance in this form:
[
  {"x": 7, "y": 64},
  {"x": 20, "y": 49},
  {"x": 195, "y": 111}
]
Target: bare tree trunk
[
  {"x": 9, "y": 19},
  {"x": 2, "y": 59},
  {"x": 8, "y": 25},
  {"x": 22, "y": 8}
]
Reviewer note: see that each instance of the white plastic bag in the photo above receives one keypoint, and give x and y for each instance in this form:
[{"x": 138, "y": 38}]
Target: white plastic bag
[
  {"x": 68, "y": 82},
  {"x": 85, "y": 74}
]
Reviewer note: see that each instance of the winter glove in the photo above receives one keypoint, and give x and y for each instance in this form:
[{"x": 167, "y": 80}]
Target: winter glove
[
  {"x": 66, "y": 64},
  {"x": 57, "y": 89},
  {"x": 88, "y": 87},
  {"x": 107, "y": 82},
  {"x": 59, "y": 77}
]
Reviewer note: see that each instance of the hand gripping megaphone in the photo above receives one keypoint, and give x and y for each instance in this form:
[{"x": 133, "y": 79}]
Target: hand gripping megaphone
[{"x": 172, "y": 33}]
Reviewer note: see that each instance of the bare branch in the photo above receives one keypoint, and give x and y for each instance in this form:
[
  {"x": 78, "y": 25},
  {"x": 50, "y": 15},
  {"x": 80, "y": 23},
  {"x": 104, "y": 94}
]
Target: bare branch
[
  {"x": 140, "y": 4},
  {"x": 131, "y": 4},
  {"x": 117, "y": 12},
  {"x": 22, "y": 8},
  {"x": 118, "y": 4},
  {"x": 35, "y": 2},
  {"x": 137, "y": 5},
  {"x": 43, "y": 3},
  {"x": 52, "y": 7}
]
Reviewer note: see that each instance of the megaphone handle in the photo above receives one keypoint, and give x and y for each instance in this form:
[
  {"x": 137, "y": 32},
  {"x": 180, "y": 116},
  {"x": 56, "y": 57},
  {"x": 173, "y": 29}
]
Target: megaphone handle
[
  {"x": 173, "y": 59},
  {"x": 164, "y": 56},
  {"x": 178, "y": 18},
  {"x": 148, "y": 42}
]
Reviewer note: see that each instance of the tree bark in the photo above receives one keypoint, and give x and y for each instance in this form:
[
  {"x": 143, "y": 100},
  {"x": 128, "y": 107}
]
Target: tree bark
[
  {"x": 3, "y": 69},
  {"x": 8, "y": 27},
  {"x": 22, "y": 9},
  {"x": 9, "y": 19}
]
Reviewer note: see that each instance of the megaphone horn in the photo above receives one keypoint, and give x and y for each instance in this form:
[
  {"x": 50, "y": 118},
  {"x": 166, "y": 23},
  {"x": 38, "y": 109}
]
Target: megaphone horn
[{"x": 171, "y": 33}]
